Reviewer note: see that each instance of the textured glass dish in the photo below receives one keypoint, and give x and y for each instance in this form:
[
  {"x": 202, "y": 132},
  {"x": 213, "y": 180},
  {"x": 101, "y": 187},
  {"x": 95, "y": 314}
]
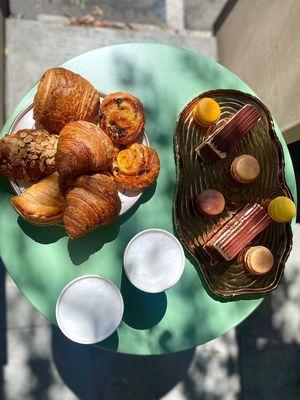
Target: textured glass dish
[{"x": 228, "y": 278}]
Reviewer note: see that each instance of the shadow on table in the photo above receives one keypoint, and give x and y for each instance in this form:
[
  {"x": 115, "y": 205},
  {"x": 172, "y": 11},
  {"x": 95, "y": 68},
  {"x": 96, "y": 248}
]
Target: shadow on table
[
  {"x": 42, "y": 234},
  {"x": 142, "y": 310},
  {"x": 92, "y": 373},
  {"x": 81, "y": 249}
]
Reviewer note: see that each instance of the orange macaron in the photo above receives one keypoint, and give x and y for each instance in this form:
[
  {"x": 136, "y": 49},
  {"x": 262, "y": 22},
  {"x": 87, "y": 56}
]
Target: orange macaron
[{"x": 258, "y": 260}]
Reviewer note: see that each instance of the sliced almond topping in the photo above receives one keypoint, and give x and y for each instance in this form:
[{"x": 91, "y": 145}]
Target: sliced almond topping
[
  {"x": 32, "y": 163},
  {"x": 23, "y": 135},
  {"x": 49, "y": 161},
  {"x": 28, "y": 139},
  {"x": 15, "y": 162},
  {"x": 38, "y": 147},
  {"x": 51, "y": 153}
]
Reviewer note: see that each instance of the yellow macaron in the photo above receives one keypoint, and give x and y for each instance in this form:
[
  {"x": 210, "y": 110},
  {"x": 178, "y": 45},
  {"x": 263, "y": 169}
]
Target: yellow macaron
[
  {"x": 207, "y": 111},
  {"x": 282, "y": 209}
]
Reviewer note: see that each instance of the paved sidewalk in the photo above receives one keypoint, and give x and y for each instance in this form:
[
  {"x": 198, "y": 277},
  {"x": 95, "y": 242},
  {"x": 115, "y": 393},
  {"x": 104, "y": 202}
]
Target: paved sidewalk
[
  {"x": 193, "y": 14},
  {"x": 27, "y": 60}
]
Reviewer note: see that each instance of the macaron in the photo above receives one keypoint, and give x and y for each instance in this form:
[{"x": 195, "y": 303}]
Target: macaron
[
  {"x": 282, "y": 209},
  {"x": 207, "y": 111},
  {"x": 258, "y": 260},
  {"x": 245, "y": 169},
  {"x": 210, "y": 202}
]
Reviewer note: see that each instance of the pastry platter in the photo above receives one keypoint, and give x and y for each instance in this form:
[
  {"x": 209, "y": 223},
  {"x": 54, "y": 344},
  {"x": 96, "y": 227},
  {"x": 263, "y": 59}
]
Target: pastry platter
[
  {"x": 228, "y": 278},
  {"x": 24, "y": 120},
  {"x": 77, "y": 157}
]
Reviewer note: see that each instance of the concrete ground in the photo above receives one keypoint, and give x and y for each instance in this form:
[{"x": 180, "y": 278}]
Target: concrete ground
[{"x": 256, "y": 361}]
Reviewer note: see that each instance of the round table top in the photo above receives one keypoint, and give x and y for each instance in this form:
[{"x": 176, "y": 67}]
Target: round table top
[{"x": 42, "y": 260}]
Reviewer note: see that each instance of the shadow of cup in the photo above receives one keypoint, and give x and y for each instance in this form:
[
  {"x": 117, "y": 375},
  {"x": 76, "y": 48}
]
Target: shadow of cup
[{"x": 142, "y": 310}]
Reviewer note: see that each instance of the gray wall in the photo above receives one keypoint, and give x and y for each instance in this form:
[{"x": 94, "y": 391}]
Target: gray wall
[{"x": 260, "y": 42}]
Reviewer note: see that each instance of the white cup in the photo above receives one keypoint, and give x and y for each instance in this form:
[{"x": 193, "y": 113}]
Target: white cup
[
  {"x": 89, "y": 309},
  {"x": 154, "y": 260}
]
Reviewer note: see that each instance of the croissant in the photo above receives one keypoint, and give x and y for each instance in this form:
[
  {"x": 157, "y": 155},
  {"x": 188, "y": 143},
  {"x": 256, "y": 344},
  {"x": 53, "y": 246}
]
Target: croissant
[
  {"x": 62, "y": 97},
  {"x": 28, "y": 154},
  {"x": 42, "y": 203},
  {"x": 82, "y": 147},
  {"x": 135, "y": 167},
  {"x": 122, "y": 117},
  {"x": 91, "y": 201}
]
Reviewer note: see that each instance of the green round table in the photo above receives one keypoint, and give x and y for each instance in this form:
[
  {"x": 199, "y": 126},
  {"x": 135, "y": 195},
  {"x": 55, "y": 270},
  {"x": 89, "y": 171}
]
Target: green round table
[{"x": 43, "y": 260}]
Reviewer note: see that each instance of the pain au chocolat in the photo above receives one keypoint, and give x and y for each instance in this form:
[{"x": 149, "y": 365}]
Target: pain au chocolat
[{"x": 62, "y": 97}]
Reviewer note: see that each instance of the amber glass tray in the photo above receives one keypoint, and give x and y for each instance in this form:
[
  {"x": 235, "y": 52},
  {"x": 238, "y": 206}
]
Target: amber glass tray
[{"x": 228, "y": 279}]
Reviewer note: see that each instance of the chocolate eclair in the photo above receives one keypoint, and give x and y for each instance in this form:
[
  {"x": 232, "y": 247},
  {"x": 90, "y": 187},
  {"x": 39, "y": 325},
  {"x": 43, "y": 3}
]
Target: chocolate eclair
[{"x": 225, "y": 136}]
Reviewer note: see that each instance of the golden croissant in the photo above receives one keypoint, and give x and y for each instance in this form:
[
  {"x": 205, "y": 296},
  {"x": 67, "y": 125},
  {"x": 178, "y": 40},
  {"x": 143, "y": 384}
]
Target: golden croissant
[
  {"x": 62, "y": 97},
  {"x": 28, "y": 154},
  {"x": 135, "y": 167},
  {"x": 91, "y": 201},
  {"x": 122, "y": 117},
  {"x": 82, "y": 148},
  {"x": 42, "y": 203}
]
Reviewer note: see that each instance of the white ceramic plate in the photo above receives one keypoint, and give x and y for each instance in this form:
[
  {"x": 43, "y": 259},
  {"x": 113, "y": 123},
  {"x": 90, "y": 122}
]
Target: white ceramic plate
[
  {"x": 89, "y": 309},
  {"x": 24, "y": 120},
  {"x": 154, "y": 260}
]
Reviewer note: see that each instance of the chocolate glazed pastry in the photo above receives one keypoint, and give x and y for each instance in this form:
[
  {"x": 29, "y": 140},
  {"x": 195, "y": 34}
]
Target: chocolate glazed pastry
[
  {"x": 28, "y": 155},
  {"x": 91, "y": 201},
  {"x": 136, "y": 167},
  {"x": 82, "y": 148},
  {"x": 122, "y": 117},
  {"x": 223, "y": 138},
  {"x": 62, "y": 97}
]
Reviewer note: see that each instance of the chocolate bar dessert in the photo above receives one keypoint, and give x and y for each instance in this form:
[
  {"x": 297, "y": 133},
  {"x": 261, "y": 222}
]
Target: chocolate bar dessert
[
  {"x": 238, "y": 232},
  {"x": 224, "y": 137}
]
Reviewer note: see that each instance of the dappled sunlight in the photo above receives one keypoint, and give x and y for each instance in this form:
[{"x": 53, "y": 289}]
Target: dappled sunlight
[
  {"x": 286, "y": 299},
  {"x": 213, "y": 374}
]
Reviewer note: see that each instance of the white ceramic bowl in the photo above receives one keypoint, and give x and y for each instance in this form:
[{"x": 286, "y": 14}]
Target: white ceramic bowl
[
  {"x": 89, "y": 309},
  {"x": 154, "y": 260}
]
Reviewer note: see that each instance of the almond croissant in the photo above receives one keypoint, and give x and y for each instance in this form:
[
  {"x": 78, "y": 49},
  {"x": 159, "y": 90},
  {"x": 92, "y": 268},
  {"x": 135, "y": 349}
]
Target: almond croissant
[
  {"x": 91, "y": 201},
  {"x": 82, "y": 148},
  {"x": 28, "y": 155},
  {"x": 62, "y": 97}
]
